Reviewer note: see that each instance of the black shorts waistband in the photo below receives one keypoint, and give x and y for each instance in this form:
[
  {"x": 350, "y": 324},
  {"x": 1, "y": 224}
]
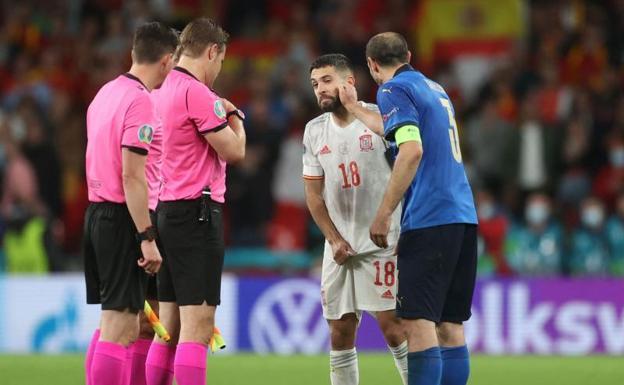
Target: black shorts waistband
[{"x": 183, "y": 203}]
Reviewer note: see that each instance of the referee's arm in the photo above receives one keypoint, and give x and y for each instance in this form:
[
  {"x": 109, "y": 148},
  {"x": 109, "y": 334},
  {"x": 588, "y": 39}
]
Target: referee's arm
[{"x": 403, "y": 173}]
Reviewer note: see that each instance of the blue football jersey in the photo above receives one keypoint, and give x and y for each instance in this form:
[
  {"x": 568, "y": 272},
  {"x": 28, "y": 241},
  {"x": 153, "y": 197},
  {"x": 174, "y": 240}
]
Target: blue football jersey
[{"x": 440, "y": 193}]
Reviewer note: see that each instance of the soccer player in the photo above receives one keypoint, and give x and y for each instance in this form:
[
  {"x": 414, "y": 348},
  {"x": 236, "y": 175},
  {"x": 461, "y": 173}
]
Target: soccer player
[
  {"x": 119, "y": 236},
  {"x": 201, "y": 133},
  {"x": 345, "y": 171},
  {"x": 437, "y": 251}
]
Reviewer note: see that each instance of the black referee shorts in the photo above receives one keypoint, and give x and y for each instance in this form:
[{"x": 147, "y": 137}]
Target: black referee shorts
[
  {"x": 111, "y": 251},
  {"x": 437, "y": 271},
  {"x": 193, "y": 253},
  {"x": 151, "y": 292}
]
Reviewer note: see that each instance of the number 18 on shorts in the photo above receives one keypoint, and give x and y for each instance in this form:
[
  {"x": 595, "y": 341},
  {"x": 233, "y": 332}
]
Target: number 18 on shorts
[{"x": 364, "y": 283}]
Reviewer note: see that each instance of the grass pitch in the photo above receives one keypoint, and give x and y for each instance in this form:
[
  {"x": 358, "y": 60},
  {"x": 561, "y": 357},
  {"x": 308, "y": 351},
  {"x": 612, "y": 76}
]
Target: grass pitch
[{"x": 375, "y": 369}]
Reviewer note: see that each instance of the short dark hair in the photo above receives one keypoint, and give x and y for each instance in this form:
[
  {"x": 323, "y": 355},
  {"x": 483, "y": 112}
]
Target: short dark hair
[
  {"x": 199, "y": 34},
  {"x": 336, "y": 60},
  {"x": 387, "y": 49},
  {"x": 153, "y": 40}
]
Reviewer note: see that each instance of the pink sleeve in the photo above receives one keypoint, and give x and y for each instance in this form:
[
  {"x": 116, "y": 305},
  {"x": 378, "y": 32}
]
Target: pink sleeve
[
  {"x": 205, "y": 109},
  {"x": 139, "y": 124}
]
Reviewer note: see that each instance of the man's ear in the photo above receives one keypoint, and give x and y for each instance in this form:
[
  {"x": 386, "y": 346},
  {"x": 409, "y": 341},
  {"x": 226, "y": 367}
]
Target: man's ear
[
  {"x": 350, "y": 79},
  {"x": 372, "y": 65},
  {"x": 409, "y": 56},
  {"x": 212, "y": 51}
]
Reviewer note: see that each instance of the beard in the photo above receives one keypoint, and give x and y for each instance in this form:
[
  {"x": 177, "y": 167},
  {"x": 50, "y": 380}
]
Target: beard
[{"x": 332, "y": 106}]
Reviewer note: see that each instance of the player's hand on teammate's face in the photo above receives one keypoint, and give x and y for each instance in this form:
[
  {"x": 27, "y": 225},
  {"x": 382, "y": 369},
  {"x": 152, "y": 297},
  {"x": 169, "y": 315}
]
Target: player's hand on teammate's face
[
  {"x": 347, "y": 94},
  {"x": 342, "y": 251},
  {"x": 151, "y": 259},
  {"x": 379, "y": 231}
]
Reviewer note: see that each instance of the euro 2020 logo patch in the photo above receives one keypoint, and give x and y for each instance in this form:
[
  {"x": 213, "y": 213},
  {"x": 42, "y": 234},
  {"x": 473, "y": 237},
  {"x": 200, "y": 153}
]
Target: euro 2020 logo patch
[
  {"x": 219, "y": 110},
  {"x": 146, "y": 134}
]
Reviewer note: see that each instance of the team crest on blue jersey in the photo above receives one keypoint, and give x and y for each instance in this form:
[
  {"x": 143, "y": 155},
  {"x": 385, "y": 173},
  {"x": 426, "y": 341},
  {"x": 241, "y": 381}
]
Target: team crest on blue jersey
[
  {"x": 146, "y": 134},
  {"x": 366, "y": 142},
  {"x": 219, "y": 110}
]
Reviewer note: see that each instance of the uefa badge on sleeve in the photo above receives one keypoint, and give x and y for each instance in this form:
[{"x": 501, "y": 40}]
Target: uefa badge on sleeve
[
  {"x": 219, "y": 110},
  {"x": 146, "y": 134}
]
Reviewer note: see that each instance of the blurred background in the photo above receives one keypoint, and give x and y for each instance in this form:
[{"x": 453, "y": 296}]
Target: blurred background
[{"x": 538, "y": 93}]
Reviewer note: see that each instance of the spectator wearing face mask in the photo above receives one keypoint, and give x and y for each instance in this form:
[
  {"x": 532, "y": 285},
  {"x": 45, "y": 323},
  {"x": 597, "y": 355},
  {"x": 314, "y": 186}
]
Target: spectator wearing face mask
[
  {"x": 535, "y": 246},
  {"x": 589, "y": 251},
  {"x": 615, "y": 237},
  {"x": 493, "y": 226},
  {"x": 610, "y": 178}
]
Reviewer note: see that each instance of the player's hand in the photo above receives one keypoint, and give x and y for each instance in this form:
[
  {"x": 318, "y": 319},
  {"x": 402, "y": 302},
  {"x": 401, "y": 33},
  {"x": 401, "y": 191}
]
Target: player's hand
[
  {"x": 379, "y": 230},
  {"x": 151, "y": 259},
  {"x": 342, "y": 251},
  {"x": 229, "y": 106},
  {"x": 347, "y": 95}
]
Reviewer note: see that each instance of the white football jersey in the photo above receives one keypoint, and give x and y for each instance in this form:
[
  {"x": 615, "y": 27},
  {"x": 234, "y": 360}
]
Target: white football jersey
[{"x": 355, "y": 171}]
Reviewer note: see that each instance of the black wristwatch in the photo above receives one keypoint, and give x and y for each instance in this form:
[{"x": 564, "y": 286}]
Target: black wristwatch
[
  {"x": 149, "y": 234},
  {"x": 238, "y": 113}
]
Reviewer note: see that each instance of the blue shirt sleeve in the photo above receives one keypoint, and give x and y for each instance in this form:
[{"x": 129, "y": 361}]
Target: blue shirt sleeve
[{"x": 397, "y": 109}]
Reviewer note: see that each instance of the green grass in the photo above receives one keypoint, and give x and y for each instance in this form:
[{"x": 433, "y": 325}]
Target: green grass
[{"x": 313, "y": 370}]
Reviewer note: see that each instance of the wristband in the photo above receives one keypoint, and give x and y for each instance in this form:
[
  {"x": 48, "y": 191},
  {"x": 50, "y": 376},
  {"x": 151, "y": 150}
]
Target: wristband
[
  {"x": 236, "y": 112},
  {"x": 149, "y": 234}
]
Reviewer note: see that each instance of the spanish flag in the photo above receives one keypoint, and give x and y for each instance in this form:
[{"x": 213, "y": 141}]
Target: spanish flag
[{"x": 444, "y": 29}]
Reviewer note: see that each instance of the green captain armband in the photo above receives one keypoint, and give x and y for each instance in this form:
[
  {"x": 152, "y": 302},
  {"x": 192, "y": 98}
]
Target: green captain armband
[{"x": 409, "y": 133}]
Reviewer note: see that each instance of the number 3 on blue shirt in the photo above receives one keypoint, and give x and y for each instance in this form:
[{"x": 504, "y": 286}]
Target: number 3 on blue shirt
[{"x": 453, "y": 132}]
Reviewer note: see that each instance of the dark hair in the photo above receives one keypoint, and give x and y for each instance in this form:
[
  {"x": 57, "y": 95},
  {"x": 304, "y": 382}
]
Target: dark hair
[
  {"x": 336, "y": 60},
  {"x": 387, "y": 49},
  {"x": 152, "y": 41},
  {"x": 199, "y": 34}
]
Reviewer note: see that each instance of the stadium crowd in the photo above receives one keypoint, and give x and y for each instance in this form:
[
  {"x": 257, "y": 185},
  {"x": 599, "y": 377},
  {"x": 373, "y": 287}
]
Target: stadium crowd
[{"x": 541, "y": 121}]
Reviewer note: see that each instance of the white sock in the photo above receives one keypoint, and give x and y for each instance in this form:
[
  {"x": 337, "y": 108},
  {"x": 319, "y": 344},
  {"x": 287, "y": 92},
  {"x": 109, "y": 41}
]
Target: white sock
[
  {"x": 343, "y": 367},
  {"x": 400, "y": 360}
]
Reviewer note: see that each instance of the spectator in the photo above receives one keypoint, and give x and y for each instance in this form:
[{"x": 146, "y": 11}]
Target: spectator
[
  {"x": 493, "y": 226},
  {"x": 589, "y": 251},
  {"x": 535, "y": 247},
  {"x": 615, "y": 237},
  {"x": 610, "y": 178},
  {"x": 489, "y": 141}
]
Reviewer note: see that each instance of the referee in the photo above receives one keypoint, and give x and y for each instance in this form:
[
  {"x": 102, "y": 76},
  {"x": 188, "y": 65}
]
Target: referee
[
  {"x": 119, "y": 245},
  {"x": 437, "y": 250},
  {"x": 201, "y": 133}
]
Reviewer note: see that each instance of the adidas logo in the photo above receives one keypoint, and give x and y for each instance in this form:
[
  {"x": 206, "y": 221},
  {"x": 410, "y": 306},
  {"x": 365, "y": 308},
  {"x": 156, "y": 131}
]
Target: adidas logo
[
  {"x": 325, "y": 150},
  {"x": 387, "y": 295}
]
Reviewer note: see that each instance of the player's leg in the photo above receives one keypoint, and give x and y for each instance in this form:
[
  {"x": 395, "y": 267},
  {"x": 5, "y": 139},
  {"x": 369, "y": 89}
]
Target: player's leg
[
  {"x": 455, "y": 357},
  {"x": 395, "y": 337},
  {"x": 343, "y": 356},
  {"x": 426, "y": 261},
  {"x": 337, "y": 298},
  {"x": 376, "y": 284}
]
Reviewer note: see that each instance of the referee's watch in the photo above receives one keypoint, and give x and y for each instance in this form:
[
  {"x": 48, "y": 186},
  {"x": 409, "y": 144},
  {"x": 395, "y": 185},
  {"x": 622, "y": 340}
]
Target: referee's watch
[
  {"x": 238, "y": 113},
  {"x": 149, "y": 234}
]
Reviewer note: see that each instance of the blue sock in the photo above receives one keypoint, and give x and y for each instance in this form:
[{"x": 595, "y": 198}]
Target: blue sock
[
  {"x": 455, "y": 365},
  {"x": 424, "y": 368}
]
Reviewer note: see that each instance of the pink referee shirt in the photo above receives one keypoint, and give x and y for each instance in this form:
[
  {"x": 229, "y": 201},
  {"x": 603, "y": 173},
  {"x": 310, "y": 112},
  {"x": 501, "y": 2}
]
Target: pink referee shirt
[
  {"x": 154, "y": 158},
  {"x": 190, "y": 110},
  {"x": 120, "y": 115}
]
